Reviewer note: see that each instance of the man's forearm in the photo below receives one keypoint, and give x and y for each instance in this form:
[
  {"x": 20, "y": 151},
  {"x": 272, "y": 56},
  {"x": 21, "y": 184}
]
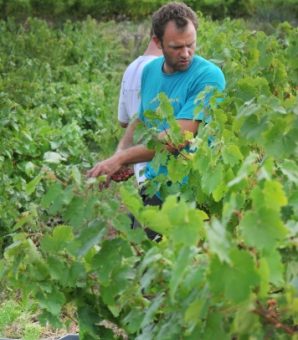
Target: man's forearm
[
  {"x": 139, "y": 153},
  {"x": 127, "y": 139},
  {"x": 135, "y": 154}
]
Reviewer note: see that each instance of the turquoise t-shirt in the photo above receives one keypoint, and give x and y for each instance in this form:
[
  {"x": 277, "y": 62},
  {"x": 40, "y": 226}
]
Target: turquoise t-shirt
[{"x": 181, "y": 87}]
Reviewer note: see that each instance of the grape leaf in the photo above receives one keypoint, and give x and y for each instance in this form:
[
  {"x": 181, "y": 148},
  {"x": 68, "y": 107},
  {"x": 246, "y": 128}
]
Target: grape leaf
[
  {"x": 236, "y": 280},
  {"x": 262, "y": 228},
  {"x": 218, "y": 240}
]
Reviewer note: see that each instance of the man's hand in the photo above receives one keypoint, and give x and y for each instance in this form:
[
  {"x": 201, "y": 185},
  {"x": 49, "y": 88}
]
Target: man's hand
[{"x": 107, "y": 167}]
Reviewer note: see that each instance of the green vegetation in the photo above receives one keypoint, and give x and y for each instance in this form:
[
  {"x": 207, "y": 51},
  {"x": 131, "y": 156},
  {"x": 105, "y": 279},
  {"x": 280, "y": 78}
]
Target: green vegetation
[
  {"x": 16, "y": 320},
  {"x": 227, "y": 265},
  {"x": 274, "y": 10}
]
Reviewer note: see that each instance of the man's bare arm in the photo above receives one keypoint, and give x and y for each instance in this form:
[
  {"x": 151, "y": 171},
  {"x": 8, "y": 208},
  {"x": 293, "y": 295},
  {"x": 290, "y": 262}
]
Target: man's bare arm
[
  {"x": 127, "y": 140},
  {"x": 137, "y": 153},
  {"x": 132, "y": 155}
]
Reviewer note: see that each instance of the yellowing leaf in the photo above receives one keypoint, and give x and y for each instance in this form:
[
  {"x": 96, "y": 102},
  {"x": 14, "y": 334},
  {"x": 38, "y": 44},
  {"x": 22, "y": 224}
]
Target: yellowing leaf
[{"x": 274, "y": 195}]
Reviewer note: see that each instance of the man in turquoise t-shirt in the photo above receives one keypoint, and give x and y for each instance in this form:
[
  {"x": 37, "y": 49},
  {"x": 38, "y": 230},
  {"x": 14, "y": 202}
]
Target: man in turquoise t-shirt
[
  {"x": 181, "y": 86},
  {"x": 180, "y": 74}
]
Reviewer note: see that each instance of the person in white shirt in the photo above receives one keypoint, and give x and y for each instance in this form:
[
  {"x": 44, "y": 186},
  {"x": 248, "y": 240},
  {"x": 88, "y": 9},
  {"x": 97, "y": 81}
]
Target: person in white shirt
[{"x": 129, "y": 98}]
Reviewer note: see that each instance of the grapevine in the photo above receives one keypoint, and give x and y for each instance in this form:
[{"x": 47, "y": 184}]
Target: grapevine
[{"x": 226, "y": 267}]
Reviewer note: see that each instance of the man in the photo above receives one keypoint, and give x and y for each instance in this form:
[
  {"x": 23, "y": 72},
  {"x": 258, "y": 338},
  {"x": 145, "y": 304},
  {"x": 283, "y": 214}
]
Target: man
[
  {"x": 129, "y": 98},
  {"x": 180, "y": 74}
]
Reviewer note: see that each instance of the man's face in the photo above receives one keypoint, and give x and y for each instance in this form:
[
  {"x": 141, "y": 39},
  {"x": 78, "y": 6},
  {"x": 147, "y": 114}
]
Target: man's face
[{"x": 178, "y": 46}]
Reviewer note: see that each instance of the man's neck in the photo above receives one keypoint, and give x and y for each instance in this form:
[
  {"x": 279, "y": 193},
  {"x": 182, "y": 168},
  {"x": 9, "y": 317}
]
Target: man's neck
[{"x": 152, "y": 49}]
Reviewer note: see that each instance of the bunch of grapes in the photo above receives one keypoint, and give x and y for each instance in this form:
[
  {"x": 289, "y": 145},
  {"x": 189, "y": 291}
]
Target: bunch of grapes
[{"x": 123, "y": 174}]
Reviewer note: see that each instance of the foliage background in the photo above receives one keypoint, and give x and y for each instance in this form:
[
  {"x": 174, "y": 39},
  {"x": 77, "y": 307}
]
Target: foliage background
[
  {"x": 273, "y": 10},
  {"x": 58, "y": 96}
]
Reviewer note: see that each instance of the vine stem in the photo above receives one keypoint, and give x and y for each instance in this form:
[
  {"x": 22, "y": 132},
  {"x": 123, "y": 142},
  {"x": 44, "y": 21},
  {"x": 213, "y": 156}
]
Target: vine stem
[
  {"x": 170, "y": 141},
  {"x": 136, "y": 249},
  {"x": 70, "y": 317},
  {"x": 271, "y": 317}
]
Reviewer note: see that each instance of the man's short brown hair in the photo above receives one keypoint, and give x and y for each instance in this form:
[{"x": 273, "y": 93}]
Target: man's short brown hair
[{"x": 178, "y": 12}]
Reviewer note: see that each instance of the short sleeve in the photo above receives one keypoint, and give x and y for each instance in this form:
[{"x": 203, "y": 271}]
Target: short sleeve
[
  {"x": 140, "y": 113},
  {"x": 214, "y": 80},
  {"x": 122, "y": 111}
]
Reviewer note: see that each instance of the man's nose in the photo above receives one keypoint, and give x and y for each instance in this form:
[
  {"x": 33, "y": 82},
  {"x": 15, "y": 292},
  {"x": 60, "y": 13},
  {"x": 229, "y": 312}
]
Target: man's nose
[{"x": 185, "y": 52}]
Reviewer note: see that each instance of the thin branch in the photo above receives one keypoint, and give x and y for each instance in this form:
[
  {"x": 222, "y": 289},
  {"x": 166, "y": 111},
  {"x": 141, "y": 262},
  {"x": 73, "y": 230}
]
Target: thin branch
[{"x": 271, "y": 317}]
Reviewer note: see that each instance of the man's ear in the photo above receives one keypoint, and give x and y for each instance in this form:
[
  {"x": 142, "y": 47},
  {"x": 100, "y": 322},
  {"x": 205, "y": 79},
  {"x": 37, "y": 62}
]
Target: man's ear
[{"x": 157, "y": 41}]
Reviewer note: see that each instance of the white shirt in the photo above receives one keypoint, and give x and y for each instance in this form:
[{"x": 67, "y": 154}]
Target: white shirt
[{"x": 129, "y": 99}]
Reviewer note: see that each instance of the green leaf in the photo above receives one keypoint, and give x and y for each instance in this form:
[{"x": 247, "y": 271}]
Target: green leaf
[
  {"x": 58, "y": 270},
  {"x": 246, "y": 322},
  {"x": 77, "y": 275},
  {"x": 53, "y": 157},
  {"x": 46, "y": 318},
  {"x": 249, "y": 108},
  {"x": 156, "y": 220},
  {"x": 214, "y": 327},
  {"x": 219, "y": 192},
  {"x": 61, "y": 199},
  {"x": 109, "y": 259},
  {"x": 249, "y": 87},
  {"x": 122, "y": 223},
  {"x": 89, "y": 320},
  {"x": 247, "y": 167},
  {"x": 235, "y": 202},
  {"x": 148, "y": 278},
  {"x": 132, "y": 201},
  {"x": 263, "y": 270},
  {"x": 284, "y": 145},
  {"x": 193, "y": 311},
  {"x": 75, "y": 213},
  {"x": 274, "y": 195},
  {"x": 151, "y": 256},
  {"x": 37, "y": 271},
  {"x": 90, "y": 237},
  {"x": 54, "y": 191},
  {"x": 31, "y": 186},
  {"x": 29, "y": 168},
  {"x": 151, "y": 311},
  {"x": 202, "y": 159},
  {"x": 276, "y": 267},
  {"x": 62, "y": 236},
  {"x": 189, "y": 229},
  {"x": 179, "y": 268},
  {"x": 169, "y": 328},
  {"x": 253, "y": 127},
  {"x": 218, "y": 240},
  {"x": 212, "y": 178},
  {"x": 290, "y": 169},
  {"x": 160, "y": 158},
  {"x": 133, "y": 320},
  {"x": 63, "y": 233},
  {"x": 76, "y": 175},
  {"x": 120, "y": 280},
  {"x": 177, "y": 169},
  {"x": 236, "y": 280},
  {"x": 262, "y": 228},
  {"x": 52, "y": 301},
  {"x": 231, "y": 154}
]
